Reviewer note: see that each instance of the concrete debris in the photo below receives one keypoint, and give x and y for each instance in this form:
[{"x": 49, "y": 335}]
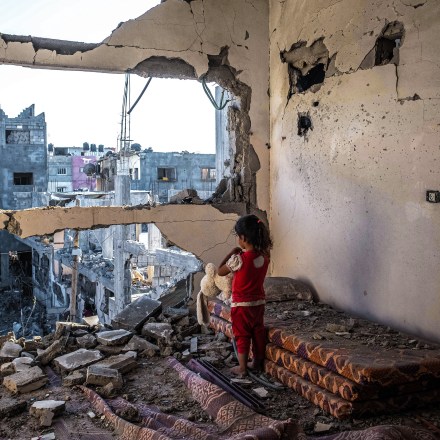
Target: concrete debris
[
  {"x": 25, "y": 381},
  {"x": 10, "y": 351},
  {"x": 102, "y": 375},
  {"x": 65, "y": 328},
  {"x": 22, "y": 363},
  {"x": 51, "y": 352},
  {"x": 322, "y": 427},
  {"x": 91, "y": 321},
  {"x": 139, "y": 344},
  {"x": 78, "y": 359},
  {"x": 48, "y": 436},
  {"x": 284, "y": 288},
  {"x": 158, "y": 330},
  {"x": 186, "y": 196},
  {"x": 261, "y": 392},
  {"x": 113, "y": 337},
  {"x": 336, "y": 328},
  {"x": 86, "y": 341},
  {"x": 136, "y": 314},
  {"x": 110, "y": 349},
  {"x": 122, "y": 363},
  {"x": 77, "y": 377},
  {"x": 7, "y": 368},
  {"x": 46, "y": 410}
]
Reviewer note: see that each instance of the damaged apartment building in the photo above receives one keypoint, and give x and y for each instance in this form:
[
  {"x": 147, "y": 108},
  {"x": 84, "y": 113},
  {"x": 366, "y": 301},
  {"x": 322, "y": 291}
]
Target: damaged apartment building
[{"x": 332, "y": 139}]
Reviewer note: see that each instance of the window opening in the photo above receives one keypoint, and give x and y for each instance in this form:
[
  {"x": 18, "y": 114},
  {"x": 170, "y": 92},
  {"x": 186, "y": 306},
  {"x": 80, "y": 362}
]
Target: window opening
[
  {"x": 23, "y": 179},
  {"x": 166, "y": 174}
]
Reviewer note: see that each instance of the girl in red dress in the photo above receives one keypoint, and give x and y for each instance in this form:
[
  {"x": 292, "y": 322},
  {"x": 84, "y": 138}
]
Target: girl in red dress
[{"x": 248, "y": 263}]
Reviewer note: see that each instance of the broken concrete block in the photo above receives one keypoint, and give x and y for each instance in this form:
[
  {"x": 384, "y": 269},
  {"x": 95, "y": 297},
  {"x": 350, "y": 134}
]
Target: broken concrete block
[
  {"x": 32, "y": 344},
  {"x": 10, "y": 406},
  {"x": 77, "y": 377},
  {"x": 10, "y": 351},
  {"x": 261, "y": 392},
  {"x": 107, "y": 391},
  {"x": 86, "y": 341},
  {"x": 122, "y": 363},
  {"x": 22, "y": 363},
  {"x": 51, "y": 352},
  {"x": 7, "y": 369},
  {"x": 9, "y": 337},
  {"x": 114, "y": 337},
  {"x": 46, "y": 410},
  {"x": 91, "y": 321},
  {"x": 158, "y": 330},
  {"x": 79, "y": 333},
  {"x": 102, "y": 375},
  {"x": 25, "y": 381},
  {"x": 78, "y": 359},
  {"x": 139, "y": 344},
  {"x": 64, "y": 328},
  {"x": 48, "y": 436},
  {"x": 285, "y": 288},
  {"x": 133, "y": 317},
  {"x": 175, "y": 313}
]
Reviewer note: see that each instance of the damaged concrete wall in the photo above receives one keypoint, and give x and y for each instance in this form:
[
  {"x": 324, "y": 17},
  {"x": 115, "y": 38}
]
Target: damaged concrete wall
[
  {"x": 355, "y": 121},
  {"x": 225, "y": 40}
]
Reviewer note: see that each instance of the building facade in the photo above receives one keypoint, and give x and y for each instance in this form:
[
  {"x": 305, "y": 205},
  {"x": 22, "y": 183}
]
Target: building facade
[{"x": 23, "y": 173}]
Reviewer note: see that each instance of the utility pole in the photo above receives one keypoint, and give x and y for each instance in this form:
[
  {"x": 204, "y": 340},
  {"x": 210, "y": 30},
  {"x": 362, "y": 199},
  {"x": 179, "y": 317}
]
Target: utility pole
[{"x": 76, "y": 252}]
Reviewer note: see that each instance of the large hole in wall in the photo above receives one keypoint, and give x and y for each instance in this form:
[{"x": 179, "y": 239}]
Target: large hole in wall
[
  {"x": 307, "y": 66},
  {"x": 386, "y": 49}
]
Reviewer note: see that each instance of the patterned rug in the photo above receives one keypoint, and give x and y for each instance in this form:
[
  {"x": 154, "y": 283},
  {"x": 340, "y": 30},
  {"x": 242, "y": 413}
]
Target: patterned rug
[{"x": 233, "y": 420}]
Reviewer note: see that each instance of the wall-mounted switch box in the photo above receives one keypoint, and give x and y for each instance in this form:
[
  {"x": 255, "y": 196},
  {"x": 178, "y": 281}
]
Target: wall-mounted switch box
[{"x": 432, "y": 196}]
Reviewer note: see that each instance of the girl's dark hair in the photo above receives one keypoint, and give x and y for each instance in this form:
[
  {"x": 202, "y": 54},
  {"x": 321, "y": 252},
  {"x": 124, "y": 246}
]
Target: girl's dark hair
[{"x": 254, "y": 232}]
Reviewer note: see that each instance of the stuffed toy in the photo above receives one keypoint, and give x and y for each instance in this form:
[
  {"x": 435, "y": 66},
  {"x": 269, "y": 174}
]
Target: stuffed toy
[{"x": 212, "y": 285}]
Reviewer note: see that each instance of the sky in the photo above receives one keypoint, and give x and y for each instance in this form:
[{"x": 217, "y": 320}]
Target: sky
[{"x": 173, "y": 115}]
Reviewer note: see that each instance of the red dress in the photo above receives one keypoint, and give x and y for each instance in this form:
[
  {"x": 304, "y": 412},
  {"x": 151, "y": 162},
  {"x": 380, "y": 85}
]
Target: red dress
[{"x": 248, "y": 299}]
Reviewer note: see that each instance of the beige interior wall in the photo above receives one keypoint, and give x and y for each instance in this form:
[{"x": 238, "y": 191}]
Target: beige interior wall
[{"x": 348, "y": 209}]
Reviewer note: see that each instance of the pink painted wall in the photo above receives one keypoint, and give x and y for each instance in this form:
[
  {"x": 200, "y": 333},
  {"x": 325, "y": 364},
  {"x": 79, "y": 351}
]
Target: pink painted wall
[{"x": 79, "y": 179}]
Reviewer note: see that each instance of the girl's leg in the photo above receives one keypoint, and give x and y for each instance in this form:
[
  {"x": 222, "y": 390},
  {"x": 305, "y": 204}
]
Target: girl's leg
[
  {"x": 258, "y": 340},
  {"x": 241, "y": 368},
  {"x": 241, "y": 330}
]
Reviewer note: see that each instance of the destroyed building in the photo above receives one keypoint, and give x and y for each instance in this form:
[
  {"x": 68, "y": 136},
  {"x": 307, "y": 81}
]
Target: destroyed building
[{"x": 333, "y": 137}]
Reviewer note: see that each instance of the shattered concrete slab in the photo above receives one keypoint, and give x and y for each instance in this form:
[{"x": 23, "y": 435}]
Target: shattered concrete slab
[
  {"x": 10, "y": 351},
  {"x": 46, "y": 410},
  {"x": 158, "y": 330},
  {"x": 78, "y": 359},
  {"x": 22, "y": 363},
  {"x": 86, "y": 341},
  {"x": 51, "y": 352},
  {"x": 25, "y": 381},
  {"x": 136, "y": 313},
  {"x": 122, "y": 362},
  {"x": 114, "y": 337},
  {"x": 139, "y": 344},
  {"x": 102, "y": 375},
  {"x": 77, "y": 377}
]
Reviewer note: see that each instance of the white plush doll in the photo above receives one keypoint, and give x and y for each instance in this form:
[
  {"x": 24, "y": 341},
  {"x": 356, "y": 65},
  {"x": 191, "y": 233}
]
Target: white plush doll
[{"x": 211, "y": 286}]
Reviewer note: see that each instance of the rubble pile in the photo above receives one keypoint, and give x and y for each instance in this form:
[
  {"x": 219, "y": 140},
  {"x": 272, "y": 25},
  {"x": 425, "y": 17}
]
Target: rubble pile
[{"x": 98, "y": 357}]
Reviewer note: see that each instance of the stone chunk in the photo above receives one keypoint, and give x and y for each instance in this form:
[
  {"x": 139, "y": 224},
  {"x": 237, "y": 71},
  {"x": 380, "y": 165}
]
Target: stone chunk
[
  {"x": 86, "y": 341},
  {"x": 9, "y": 406},
  {"x": 110, "y": 349},
  {"x": 136, "y": 313},
  {"x": 10, "y": 351},
  {"x": 7, "y": 369},
  {"x": 77, "y": 377},
  {"x": 51, "y": 352},
  {"x": 46, "y": 410},
  {"x": 139, "y": 344},
  {"x": 22, "y": 363},
  {"x": 122, "y": 362},
  {"x": 48, "y": 436},
  {"x": 102, "y": 375},
  {"x": 114, "y": 337},
  {"x": 78, "y": 359},
  {"x": 158, "y": 330},
  {"x": 25, "y": 381},
  {"x": 64, "y": 328}
]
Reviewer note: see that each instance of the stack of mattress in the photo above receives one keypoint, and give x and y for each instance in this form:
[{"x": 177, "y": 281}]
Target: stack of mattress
[{"x": 345, "y": 379}]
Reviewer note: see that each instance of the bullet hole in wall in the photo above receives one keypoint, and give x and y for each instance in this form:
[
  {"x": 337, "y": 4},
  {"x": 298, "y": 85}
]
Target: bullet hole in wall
[{"x": 304, "y": 124}]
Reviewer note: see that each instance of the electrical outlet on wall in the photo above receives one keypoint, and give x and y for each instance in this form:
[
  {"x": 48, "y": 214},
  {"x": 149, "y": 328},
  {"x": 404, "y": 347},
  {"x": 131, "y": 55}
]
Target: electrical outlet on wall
[{"x": 432, "y": 196}]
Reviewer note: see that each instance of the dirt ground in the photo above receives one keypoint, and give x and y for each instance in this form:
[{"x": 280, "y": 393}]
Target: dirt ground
[{"x": 154, "y": 383}]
